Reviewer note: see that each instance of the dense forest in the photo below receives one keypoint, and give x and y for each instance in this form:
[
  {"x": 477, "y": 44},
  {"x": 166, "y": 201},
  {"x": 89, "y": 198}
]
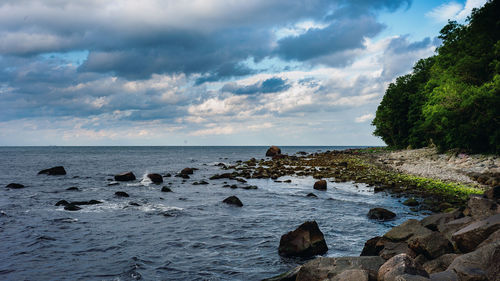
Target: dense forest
[{"x": 452, "y": 99}]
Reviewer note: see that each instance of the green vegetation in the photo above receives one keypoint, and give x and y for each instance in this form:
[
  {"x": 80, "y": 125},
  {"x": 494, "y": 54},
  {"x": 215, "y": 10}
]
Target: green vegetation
[{"x": 452, "y": 99}]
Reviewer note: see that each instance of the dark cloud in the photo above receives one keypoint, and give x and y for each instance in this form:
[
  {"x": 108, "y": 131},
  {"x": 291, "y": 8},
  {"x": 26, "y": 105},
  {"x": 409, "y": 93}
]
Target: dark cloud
[{"x": 271, "y": 85}]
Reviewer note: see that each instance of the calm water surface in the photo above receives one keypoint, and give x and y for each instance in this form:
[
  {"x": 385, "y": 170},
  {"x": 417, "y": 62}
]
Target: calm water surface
[{"x": 184, "y": 235}]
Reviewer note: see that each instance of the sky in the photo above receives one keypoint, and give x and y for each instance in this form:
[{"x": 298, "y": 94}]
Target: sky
[{"x": 207, "y": 72}]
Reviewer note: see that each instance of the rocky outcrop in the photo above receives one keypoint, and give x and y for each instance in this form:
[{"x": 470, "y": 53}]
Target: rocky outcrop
[
  {"x": 127, "y": 176},
  {"x": 233, "y": 200},
  {"x": 481, "y": 264},
  {"x": 155, "y": 178},
  {"x": 343, "y": 268},
  {"x": 479, "y": 207},
  {"x": 401, "y": 264},
  {"x": 431, "y": 245},
  {"x": 306, "y": 241},
  {"x": 54, "y": 171},
  {"x": 381, "y": 214},
  {"x": 14, "y": 185},
  {"x": 406, "y": 230},
  {"x": 320, "y": 185},
  {"x": 272, "y": 151},
  {"x": 121, "y": 194},
  {"x": 469, "y": 237}
]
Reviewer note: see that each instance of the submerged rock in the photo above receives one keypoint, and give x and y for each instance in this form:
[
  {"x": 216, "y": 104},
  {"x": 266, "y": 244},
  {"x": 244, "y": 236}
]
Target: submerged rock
[
  {"x": 122, "y": 194},
  {"x": 166, "y": 189},
  {"x": 54, "y": 171},
  {"x": 306, "y": 241},
  {"x": 127, "y": 176},
  {"x": 73, "y": 188},
  {"x": 233, "y": 200},
  {"x": 411, "y": 202},
  {"x": 272, "y": 151},
  {"x": 15, "y": 185},
  {"x": 155, "y": 178},
  {"x": 312, "y": 195},
  {"x": 187, "y": 171},
  {"x": 71, "y": 207},
  {"x": 320, "y": 185},
  {"x": 381, "y": 214}
]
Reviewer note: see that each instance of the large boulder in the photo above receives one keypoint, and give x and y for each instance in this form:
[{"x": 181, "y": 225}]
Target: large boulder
[
  {"x": 373, "y": 246},
  {"x": 406, "y": 230},
  {"x": 453, "y": 226},
  {"x": 480, "y": 208},
  {"x": 469, "y": 237},
  {"x": 15, "y": 185},
  {"x": 233, "y": 200},
  {"x": 431, "y": 245},
  {"x": 127, "y": 176},
  {"x": 306, "y": 241},
  {"x": 432, "y": 222},
  {"x": 448, "y": 275},
  {"x": 400, "y": 265},
  {"x": 54, "y": 171},
  {"x": 481, "y": 264},
  {"x": 273, "y": 150},
  {"x": 381, "y": 214},
  {"x": 155, "y": 178},
  {"x": 439, "y": 264},
  {"x": 339, "y": 268},
  {"x": 392, "y": 249},
  {"x": 493, "y": 193},
  {"x": 320, "y": 185}
]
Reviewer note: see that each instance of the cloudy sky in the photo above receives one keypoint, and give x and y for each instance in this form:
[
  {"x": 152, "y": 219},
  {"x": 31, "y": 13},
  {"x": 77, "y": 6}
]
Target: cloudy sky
[{"x": 207, "y": 72}]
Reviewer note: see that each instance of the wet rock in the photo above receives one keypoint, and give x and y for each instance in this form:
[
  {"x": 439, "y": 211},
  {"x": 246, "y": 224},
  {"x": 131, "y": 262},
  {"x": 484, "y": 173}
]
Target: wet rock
[
  {"x": 127, "y": 176},
  {"x": 453, "y": 226},
  {"x": 121, "y": 194},
  {"x": 381, "y": 214},
  {"x": 431, "y": 245},
  {"x": 15, "y": 185},
  {"x": 400, "y": 265},
  {"x": 233, "y": 200},
  {"x": 290, "y": 275},
  {"x": 155, "y": 178},
  {"x": 134, "y": 204},
  {"x": 73, "y": 188},
  {"x": 406, "y": 230},
  {"x": 335, "y": 268},
  {"x": 392, "y": 249},
  {"x": 90, "y": 202},
  {"x": 469, "y": 237},
  {"x": 481, "y": 264},
  {"x": 287, "y": 181},
  {"x": 306, "y": 241},
  {"x": 71, "y": 207},
  {"x": 320, "y": 185},
  {"x": 373, "y": 246},
  {"x": 249, "y": 187},
  {"x": 202, "y": 182},
  {"x": 312, "y": 195},
  {"x": 411, "y": 202},
  {"x": 439, "y": 264},
  {"x": 62, "y": 203},
  {"x": 54, "y": 171},
  {"x": 167, "y": 175},
  {"x": 184, "y": 176},
  {"x": 187, "y": 171},
  {"x": 273, "y": 150},
  {"x": 166, "y": 189}
]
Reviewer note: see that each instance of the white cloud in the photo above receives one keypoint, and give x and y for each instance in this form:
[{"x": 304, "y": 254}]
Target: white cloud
[
  {"x": 364, "y": 118},
  {"x": 454, "y": 10}
]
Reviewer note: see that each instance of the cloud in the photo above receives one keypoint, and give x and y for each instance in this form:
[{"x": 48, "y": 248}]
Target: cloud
[
  {"x": 271, "y": 85},
  {"x": 454, "y": 10},
  {"x": 364, "y": 118}
]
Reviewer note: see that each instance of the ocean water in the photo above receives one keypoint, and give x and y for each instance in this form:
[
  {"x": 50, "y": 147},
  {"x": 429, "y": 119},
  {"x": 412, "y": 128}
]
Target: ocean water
[{"x": 188, "y": 234}]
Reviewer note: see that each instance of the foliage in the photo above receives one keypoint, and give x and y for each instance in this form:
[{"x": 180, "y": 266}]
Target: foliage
[{"x": 452, "y": 99}]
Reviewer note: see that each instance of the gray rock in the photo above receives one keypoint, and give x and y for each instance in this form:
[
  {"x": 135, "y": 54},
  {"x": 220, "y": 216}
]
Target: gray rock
[
  {"x": 453, "y": 226},
  {"x": 431, "y": 245},
  {"x": 495, "y": 236},
  {"x": 392, "y": 249},
  {"x": 406, "y": 230},
  {"x": 306, "y": 241},
  {"x": 155, "y": 178},
  {"x": 233, "y": 200},
  {"x": 381, "y": 214},
  {"x": 409, "y": 277},
  {"x": 481, "y": 264},
  {"x": 54, "y": 171},
  {"x": 469, "y": 237},
  {"x": 323, "y": 268},
  {"x": 15, "y": 185},
  {"x": 439, "y": 264},
  {"x": 351, "y": 275},
  {"x": 444, "y": 276},
  {"x": 127, "y": 176},
  {"x": 400, "y": 265},
  {"x": 480, "y": 208},
  {"x": 433, "y": 221},
  {"x": 287, "y": 276}
]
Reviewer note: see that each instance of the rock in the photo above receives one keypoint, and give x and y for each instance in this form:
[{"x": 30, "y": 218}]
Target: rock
[
  {"x": 392, "y": 249},
  {"x": 495, "y": 236},
  {"x": 400, "y": 265},
  {"x": 127, "y": 176},
  {"x": 247, "y": 187},
  {"x": 306, "y": 241},
  {"x": 409, "y": 277},
  {"x": 184, "y": 176},
  {"x": 480, "y": 208},
  {"x": 381, "y": 214},
  {"x": 273, "y": 150},
  {"x": 90, "y": 202},
  {"x": 406, "y": 230},
  {"x": 166, "y": 189},
  {"x": 352, "y": 275},
  {"x": 73, "y": 188},
  {"x": 373, "y": 246},
  {"x": 155, "y": 178},
  {"x": 453, "y": 226},
  {"x": 167, "y": 175},
  {"x": 320, "y": 185},
  {"x": 54, "y": 171},
  {"x": 62, "y": 203},
  {"x": 469, "y": 237},
  {"x": 121, "y": 194},
  {"x": 329, "y": 268},
  {"x": 202, "y": 182},
  {"x": 493, "y": 193},
  {"x": 71, "y": 207},
  {"x": 233, "y": 200},
  {"x": 481, "y": 264},
  {"x": 444, "y": 276},
  {"x": 187, "y": 171},
  {"x": 433, "y": 221},
  {"x": 312, "y": 195},
  {"x": 113, "y": 183},
  {"x": 290, "y": 275},
  {"x": 411, "y": 202},
  {"x": 15, "y": 185},
  {"x": 439, "y": 264},
  {"x": 431, "y": 245},
  {"x": 134, "y": 204}
]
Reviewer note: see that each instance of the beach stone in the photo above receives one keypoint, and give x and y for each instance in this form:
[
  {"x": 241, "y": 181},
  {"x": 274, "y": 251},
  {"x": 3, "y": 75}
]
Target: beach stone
[
  {"x": 431, "y": 245},
  {"x": 439, "y": 264},
  {"x": 480, "y": 208},
  {"x": 155, "y": 178},
  {"x": 233, "y": 200},
  {"x": 305, "y": 241},
  {"x": 71, "y": 207},
  {"x": 481, "y": 264},
  {"x": 381, "y": 214},
  {"x": 400, "y": 265},
  {"x": 493, "y": 193},
  {"x": 121, "y": 194},
  {"x": 406, "y": 230},
  {"x": 187, "y": 171},
  {"x": 411, "y": 202},
  {"x": 54, "y": 171},
  {"x": 272, "y": 151},
  {"x": 127, "y": 176},
  {"x": 73, "y": 188},
  {"x": 14, "y": 185},
  {"x": 166, "y": 189},
  {"x": 469, "y": 237},
  {"x": 333, "y": 268},
  {"x": 433, "y": 221},
  {"x": 444, "y": 276},
  {"x": 392, "y": 249},
  {"x": 320, "y": 185}
]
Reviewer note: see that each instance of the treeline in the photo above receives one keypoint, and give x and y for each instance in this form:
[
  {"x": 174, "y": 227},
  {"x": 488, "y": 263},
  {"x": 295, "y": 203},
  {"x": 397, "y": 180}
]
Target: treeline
[{"x": 451, "y": 100}]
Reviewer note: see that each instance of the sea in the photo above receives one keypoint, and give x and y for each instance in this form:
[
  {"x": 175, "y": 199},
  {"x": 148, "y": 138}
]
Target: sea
[{"x": 187, "y": 234}]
